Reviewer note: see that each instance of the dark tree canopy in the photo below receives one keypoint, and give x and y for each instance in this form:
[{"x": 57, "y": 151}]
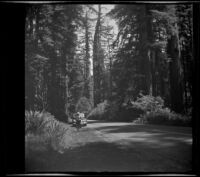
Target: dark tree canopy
[{"x": 73, "y": 57}]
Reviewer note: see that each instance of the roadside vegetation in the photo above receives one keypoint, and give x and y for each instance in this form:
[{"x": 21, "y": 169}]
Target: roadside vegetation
[
  {"x": 145, "y": 109},
  {"x": 43, "y": 132}
]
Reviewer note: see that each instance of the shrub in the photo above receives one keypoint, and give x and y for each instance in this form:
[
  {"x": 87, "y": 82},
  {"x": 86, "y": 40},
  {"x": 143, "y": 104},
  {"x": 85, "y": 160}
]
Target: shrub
[
  {"x": 140, "y": 106},
  {"x": 43, "y": 129},
  {"x": 35, "y": 121},
  {"x": 99, "y": 111},
  {"x": 54, "y": 131},
  {"x": 83, "y": 105},
  {"x": 148, "y": 103},
  {"x": 149, "y": 109},
  {"x": 166, "y": 117},
  {"x": 117, "y": 112}
]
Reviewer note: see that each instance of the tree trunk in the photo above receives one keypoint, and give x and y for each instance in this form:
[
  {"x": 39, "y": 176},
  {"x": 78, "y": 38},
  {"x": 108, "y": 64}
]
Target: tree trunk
[
  {"x": 98, "y": 63},
  {"x": 153, "y": 73},
  {"x": 146, "y": 38},
  {"x": 87, "y": 61},
  {"x": 176, "y": 89}
]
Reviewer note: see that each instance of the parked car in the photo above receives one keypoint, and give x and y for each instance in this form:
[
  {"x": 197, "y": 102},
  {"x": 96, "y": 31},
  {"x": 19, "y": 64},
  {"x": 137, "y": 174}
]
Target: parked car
[
  {"x": 84, "y": 121},
  {"x": 80, "y": 117},
  {"x": 73, "y": 121}
]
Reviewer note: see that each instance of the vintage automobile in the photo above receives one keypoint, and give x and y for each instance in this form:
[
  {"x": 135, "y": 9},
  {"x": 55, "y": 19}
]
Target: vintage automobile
[
  {"x": 83, "y": 121},
  {"x": 79, "y": 117}
]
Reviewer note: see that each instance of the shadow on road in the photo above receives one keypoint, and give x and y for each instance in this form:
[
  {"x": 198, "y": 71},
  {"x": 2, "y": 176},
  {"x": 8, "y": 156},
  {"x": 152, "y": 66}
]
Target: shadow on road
[
  {"x": 121, "y": 148},
  {"x": 150, "y": 135},
  {"x": 101, "y": 156},
  {"x": 138, "y": 156}
]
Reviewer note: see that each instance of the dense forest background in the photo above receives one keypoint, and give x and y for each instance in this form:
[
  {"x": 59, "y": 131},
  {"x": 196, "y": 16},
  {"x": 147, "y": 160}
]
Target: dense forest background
[{"x": 75, "y": 60}]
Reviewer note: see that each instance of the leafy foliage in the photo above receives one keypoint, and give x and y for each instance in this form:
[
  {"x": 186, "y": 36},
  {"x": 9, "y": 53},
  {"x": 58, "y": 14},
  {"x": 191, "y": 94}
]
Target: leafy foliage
[
  {"x": 152, "y": 55},
  {"x": 50, "y": 50},
  {"x": 99, "y": 111},
  {"x": 148, "y": 103},
  {"x": 44, "y": 129},
  {"x": 154, "y": 111},
  {"x": 166, "y": 117},
  {"x": 147, "y": 57},
  {"x": 83, "y": 105}
]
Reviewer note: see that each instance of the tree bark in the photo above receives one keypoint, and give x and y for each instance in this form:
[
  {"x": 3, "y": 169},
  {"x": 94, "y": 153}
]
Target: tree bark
[
  {"x": 176, "y": 89},
  {"x": 87, "y": 61},
  {"x": 98, "y": 63},
  {"x": 146, "y": 38}
]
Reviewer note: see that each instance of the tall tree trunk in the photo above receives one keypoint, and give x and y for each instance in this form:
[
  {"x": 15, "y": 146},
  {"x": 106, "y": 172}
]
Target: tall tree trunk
[
  {"x": 176, "y": 89},
  {"x": 146, "y": 38},
  {"x": 67, "y": 97},
  {"x": 53, "y": 91},
  {"x": 183, "y": 54},
  {"x": 153, "y": 72},
  {"x": 87, "y": 61},
  {"x": 98, "y": 63},
  {"x": 53, "y": 60},
  {"x": 110, "y": 75}
]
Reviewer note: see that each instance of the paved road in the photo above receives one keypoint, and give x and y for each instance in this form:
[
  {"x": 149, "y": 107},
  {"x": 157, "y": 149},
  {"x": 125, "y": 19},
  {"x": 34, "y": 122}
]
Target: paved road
[{"x": 119, "y": 147}]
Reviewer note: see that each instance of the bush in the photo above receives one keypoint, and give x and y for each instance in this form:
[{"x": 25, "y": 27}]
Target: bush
[
  {"x": 43, "y": 129},
  {"x": 54, "y": 131},
  {"x": 145, "y": 109},
  {"x": 148, "y": 103},
  {"x": 149, "y": 109},
  {"x": 115, "y": 111},
  {"x": 83, "y": 105},
  {"x": 165, "y": 117},
  {"x": 134, "y": 109},
  {"x": 35, "y": 121},
  {"x": 99, "y": 111}
]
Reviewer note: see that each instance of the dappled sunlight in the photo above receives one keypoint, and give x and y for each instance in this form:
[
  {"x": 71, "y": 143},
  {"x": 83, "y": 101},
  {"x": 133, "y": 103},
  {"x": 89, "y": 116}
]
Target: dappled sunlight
[
  {"x": 117, "y": 148},
  {"x": 106, "y": 124},
  {"x": 140, "y": 137},
  {"x": 130, "y": 135},
  {"x": 181, "y": 139}
]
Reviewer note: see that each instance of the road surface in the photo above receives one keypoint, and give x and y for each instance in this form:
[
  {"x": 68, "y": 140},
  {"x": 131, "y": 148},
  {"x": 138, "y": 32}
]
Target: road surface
[{"x": 120, "y": 147}]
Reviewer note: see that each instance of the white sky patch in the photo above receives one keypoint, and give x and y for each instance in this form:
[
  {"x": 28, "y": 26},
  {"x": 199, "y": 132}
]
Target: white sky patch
[{"x": 105, "y": 9}]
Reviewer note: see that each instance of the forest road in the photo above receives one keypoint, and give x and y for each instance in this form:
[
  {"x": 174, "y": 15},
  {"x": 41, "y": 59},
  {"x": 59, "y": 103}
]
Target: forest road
[{"x": 125, "y": 147}]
